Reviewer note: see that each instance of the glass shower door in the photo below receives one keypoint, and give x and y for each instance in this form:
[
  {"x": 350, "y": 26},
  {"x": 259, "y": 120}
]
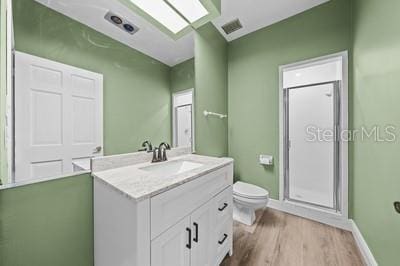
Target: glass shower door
[{"x": 312, "y": 119}]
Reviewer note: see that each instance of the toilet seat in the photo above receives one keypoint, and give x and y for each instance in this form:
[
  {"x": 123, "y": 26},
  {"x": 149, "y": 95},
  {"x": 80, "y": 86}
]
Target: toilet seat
[
  {"x": 249, "y": 191},
  {"x": 256, "y": 203}
]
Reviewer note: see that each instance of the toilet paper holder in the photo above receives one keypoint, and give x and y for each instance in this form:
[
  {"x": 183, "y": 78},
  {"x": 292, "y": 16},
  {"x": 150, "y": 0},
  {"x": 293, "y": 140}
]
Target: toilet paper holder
[{"x": 266, "y": 159}]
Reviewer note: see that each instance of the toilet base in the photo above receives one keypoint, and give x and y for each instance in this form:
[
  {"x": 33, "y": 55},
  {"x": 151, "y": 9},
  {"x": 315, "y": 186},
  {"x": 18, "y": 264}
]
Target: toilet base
[{"x": 244, "y": 215}]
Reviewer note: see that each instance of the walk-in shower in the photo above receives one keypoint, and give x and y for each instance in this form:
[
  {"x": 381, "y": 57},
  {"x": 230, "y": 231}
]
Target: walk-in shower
[
  {"x": 312, "y": 144},
  {"x": 313, "y": 117}
]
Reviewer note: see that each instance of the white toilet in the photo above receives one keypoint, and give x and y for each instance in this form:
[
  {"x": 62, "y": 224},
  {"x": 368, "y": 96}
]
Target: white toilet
[{"x": 247, "y": 199}]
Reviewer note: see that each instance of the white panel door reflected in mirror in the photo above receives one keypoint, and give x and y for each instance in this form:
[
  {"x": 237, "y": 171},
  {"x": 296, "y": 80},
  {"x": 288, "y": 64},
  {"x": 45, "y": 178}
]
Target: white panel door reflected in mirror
[
  {"x": 184, "y": 125},
  {"x": 183, "y": 119},
  {"x": 58, "y": 118}
]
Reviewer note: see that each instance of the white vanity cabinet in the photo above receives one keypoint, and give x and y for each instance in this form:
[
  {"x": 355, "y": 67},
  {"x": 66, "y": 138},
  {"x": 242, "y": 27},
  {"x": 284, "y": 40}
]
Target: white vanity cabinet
[
  {"x": 189, "y": 224},
  {"x": 202, "y": 238}
]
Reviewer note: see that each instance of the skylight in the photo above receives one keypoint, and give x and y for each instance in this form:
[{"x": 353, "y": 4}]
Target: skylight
[
  {"x": 163, "y": 13},
  {"x": 192, "y": 10}
]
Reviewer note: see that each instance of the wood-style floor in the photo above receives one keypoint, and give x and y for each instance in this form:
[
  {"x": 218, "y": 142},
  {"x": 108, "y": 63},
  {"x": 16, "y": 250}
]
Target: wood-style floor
[{"x": 281, "y": 239}]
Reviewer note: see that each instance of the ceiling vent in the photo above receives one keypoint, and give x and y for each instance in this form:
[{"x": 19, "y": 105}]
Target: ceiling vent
[
  {"x": 232, "y": 26},
  {"x": 121, "y": 23}
]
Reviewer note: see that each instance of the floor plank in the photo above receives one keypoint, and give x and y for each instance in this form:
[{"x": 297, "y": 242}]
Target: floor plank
[{"x": 280, "y": 239}]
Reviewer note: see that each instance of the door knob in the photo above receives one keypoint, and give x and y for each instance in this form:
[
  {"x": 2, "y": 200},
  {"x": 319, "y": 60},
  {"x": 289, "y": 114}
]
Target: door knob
[{"x": 97, "y": 149}]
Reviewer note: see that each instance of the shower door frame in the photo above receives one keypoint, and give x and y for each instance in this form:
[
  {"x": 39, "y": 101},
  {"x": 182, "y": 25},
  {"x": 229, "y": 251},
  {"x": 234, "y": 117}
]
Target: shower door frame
[
  {"x": 336, "y": 129},
  {"x": 337, "y": 217}
]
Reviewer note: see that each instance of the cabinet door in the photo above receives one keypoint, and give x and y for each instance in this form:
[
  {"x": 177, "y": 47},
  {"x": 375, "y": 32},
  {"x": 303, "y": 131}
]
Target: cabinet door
[
  {"x": 172, "y": 248},
  {"x": 203, "y": 227}
]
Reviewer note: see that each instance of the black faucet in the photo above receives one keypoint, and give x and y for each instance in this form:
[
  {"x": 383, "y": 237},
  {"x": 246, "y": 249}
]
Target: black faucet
[
  {"x": 160, "y": 153},
  {"x": 147, "y": 146}
]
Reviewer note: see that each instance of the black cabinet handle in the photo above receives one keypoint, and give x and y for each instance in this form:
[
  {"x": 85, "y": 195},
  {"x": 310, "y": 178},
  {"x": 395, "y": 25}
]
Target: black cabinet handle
[
  {"x": 223, "y": 239},
  {"x": 189, "y": 244},
  {"x": 196, "y": 236},
  {"x": 223, "y": 208}
]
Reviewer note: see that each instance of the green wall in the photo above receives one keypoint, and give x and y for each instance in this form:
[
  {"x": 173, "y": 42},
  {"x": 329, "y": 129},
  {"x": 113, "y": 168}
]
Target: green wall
[
  {"x": 137, "y": 102},
  {"x": 3, "y": 64},
  {"x": 211, "y": 91},
  {"x": 47, "y": 224},
  {"x": 253, "y": 100},
  {"x": 51, "y": 223},
  {"x": 376, "y": 97},
  {"x": 182, "y": 76}
]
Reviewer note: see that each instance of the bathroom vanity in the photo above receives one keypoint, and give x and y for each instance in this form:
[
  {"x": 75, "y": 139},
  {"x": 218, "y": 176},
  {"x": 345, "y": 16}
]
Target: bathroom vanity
[{"x": 174, "y": 213}]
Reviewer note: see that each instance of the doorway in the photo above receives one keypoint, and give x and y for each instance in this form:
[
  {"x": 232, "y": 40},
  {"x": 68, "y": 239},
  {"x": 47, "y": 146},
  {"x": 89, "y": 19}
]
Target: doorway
[
  {"x": 313, "y": 154},
  {"x": 183, "y": 119}
]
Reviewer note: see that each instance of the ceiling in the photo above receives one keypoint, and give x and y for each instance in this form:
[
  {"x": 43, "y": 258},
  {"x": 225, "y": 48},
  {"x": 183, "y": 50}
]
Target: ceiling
[
  {"x": 253, "y": 14},
  {"x": 148, "y": 40},
  {"x": 257, "y": 14}
]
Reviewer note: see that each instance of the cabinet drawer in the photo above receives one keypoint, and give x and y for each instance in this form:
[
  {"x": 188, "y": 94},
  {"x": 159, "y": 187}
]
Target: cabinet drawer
[
  {"x": 223, "y": 239},
  {"x": 173, "y": 205},
  {"x": 223, "y": 205}
]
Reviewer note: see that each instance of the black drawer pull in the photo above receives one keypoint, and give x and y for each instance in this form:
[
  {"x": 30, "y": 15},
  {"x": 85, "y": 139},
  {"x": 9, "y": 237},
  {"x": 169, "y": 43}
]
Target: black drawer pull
[
  {"x": 223, "y": 208},
  {"x": 189, "y": 244},
  {"x": 196, "y": 236},
  {"x": 223, "y": 239}
]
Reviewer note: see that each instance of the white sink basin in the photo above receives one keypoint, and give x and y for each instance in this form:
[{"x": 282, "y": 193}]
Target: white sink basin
[{"x": 172, "y": 168}]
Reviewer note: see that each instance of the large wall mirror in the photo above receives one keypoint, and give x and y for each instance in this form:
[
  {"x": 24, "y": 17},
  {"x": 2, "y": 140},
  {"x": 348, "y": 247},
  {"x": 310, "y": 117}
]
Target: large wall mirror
[{"x": 90, "y": 78}]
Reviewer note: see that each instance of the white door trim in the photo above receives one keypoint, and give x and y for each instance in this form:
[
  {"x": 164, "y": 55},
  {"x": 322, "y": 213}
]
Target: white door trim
[
  {"x": 9, "y": 130},
  {"x": 174, "y": 105},
  {"x": 344, "y": 127}
]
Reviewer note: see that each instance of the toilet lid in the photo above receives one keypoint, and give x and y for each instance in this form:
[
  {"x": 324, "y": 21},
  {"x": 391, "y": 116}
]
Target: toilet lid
[{"x": 249, "y": 191}]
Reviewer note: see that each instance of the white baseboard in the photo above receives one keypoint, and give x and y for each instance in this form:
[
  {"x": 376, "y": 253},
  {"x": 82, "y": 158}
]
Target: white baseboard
[
  {"x": 321, "y": 216},
  {"x": 363, "y": 246}
]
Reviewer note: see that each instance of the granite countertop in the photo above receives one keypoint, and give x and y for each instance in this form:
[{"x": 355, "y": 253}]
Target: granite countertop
[{"x": 139, "y": 184}]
